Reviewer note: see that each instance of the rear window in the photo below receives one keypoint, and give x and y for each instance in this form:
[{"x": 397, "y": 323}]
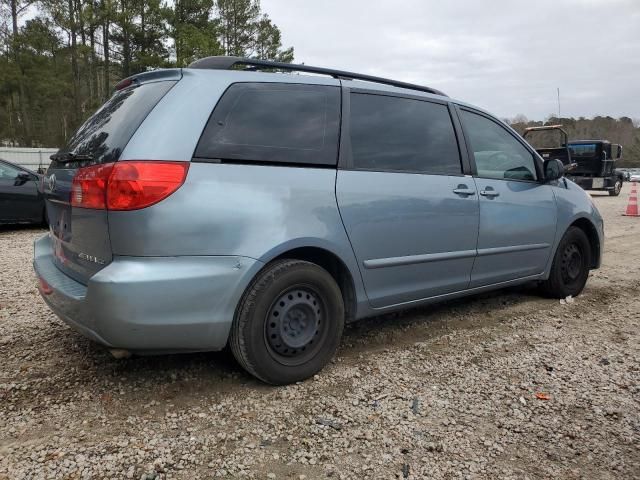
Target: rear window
[
  {"x": 105, "y": 134},
  {"x": 274, "y": 122},
  {"x": 586, "y": 150}
]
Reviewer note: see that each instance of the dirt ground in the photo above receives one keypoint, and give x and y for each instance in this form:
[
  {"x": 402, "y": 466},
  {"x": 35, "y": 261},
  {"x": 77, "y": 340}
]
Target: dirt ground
[{"x": 443, "y": 392}]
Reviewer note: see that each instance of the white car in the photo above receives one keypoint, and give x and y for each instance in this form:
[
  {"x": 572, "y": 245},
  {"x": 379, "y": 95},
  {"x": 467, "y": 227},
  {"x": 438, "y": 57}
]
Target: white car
[{"x": 635, "y": 177}]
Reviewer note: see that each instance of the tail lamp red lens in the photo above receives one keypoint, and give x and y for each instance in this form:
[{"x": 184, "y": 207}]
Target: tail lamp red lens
[
  {"x": 89, "y": 186},
  {"x": 126, "y": 185},
  {"x": 44, "y": 287}
]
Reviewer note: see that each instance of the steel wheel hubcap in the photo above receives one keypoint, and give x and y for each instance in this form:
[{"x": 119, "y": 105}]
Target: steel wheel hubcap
[
  {"x": 294, "y": 322},
  {"x": 571, "y": 263}
]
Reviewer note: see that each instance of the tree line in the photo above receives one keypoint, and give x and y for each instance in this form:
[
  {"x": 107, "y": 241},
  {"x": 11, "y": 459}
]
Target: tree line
[
  {"x": 624, "y": 131},
  {"x": 59, "y": 59}
]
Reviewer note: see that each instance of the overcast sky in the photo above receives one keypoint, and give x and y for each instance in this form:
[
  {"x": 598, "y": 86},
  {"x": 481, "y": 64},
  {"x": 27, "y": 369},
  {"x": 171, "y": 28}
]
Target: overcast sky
[{"x": 507, "y": 56}]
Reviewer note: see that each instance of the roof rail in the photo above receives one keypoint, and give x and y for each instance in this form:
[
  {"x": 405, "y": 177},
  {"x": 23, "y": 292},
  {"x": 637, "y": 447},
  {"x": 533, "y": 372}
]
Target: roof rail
[{"x": 227, "y": 63}]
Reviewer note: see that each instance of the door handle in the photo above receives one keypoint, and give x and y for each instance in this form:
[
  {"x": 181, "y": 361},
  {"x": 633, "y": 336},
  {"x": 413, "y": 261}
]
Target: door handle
[
  {"x": 463, "y": 191},
  {"x": 489, "y": 193}
]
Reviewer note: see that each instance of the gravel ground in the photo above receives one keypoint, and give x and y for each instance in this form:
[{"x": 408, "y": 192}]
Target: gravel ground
[{"x": 449, "y": 391}]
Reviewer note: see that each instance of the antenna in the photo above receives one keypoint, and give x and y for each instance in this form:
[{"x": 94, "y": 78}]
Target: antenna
[{"x": 559, "y": 103}]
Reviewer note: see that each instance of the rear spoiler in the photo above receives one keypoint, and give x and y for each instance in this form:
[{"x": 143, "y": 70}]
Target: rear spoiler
[{"x": 152, "y": 76}]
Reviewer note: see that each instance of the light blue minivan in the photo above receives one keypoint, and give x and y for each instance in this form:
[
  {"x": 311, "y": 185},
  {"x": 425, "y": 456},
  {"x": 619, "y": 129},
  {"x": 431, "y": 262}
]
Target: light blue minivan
[{"x": 264, "y": 205}]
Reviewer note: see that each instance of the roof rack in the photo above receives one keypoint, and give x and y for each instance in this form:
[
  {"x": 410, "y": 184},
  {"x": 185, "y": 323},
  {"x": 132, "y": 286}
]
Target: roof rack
[{"x": 227, "y": 63}]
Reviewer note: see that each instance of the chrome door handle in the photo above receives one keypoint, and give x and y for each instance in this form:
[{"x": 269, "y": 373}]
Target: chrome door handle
[
  {"x": 463, "y": 191},
  {"x": 489, "y": 193}
]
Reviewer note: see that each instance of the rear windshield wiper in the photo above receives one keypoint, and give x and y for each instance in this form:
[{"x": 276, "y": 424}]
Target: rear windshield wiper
[{"x": 69, "y": 157}]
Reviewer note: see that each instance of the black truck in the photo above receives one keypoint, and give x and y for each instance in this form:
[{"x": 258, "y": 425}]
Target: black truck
[{"x": 589, "y": 163}]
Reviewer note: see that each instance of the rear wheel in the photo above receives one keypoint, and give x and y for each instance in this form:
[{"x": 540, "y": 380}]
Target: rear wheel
[
  {"x": 289, "y": 322},
  {"x": 615, "y": 191},
  {"x": 570, "y": 267}
]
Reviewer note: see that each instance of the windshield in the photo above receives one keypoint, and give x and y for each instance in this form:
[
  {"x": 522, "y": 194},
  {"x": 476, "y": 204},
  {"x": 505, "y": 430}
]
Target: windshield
[{"x": 583, "y": 150}]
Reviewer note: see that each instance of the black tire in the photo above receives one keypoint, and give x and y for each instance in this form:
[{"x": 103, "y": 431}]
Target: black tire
[
  {"x": 289, "y": 322},
  {"x": 570, "y": 268},
  {"x": 617, "y": 187},
  {"x": 45, "y": 218}
]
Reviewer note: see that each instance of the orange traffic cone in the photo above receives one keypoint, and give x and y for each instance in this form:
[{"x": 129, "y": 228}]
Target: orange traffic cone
[{"x": 632, "y": 207}]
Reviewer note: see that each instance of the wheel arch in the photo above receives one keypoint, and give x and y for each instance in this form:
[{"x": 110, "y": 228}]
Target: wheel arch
[
  {"x": 336, "y": 267},
  {"x": 590, "y": 231}
]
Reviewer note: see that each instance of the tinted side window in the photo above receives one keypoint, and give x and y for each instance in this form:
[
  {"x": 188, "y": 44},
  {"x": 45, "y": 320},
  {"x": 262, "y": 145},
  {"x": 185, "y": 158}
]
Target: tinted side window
[
  {"x": 497, "y": 153},
  {"x": 401, "y": 134},
  {"x": 274, "y": 122}
]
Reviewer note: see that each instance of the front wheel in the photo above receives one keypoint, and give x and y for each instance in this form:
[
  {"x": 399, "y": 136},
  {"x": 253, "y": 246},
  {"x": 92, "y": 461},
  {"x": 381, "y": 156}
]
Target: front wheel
[
  {"x": 570, "y": 267},
  {"x": 45, "y": 218},
  {"x": 289, "y": 322},
  {"x": 615, "y": 191}
]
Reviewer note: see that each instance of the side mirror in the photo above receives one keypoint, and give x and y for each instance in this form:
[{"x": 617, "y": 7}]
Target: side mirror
[
  {"x": 22, "y": 178},
  {"x": 619, "y": 152},
  {"x": 553, "y": 169}
]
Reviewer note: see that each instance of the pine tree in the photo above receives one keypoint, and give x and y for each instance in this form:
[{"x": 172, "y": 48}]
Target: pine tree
[{"x": 60, "y": 65}]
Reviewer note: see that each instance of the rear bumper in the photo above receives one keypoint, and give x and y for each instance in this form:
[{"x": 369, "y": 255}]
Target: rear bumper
[
  {"x": 149, "y": 304},
  {"x": 594, "y": 183}
]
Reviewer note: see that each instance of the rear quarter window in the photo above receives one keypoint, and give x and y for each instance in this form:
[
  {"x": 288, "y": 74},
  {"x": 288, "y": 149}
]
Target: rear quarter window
[{"x": 274, "y": 123}]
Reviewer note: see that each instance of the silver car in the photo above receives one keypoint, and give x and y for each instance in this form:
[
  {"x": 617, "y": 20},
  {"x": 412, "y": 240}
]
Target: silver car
[{"x": 225, "y": 204}]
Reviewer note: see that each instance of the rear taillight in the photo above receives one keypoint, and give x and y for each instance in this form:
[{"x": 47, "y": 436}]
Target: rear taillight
[
  {"x": 127, "y": 185},
  {"x": 89, "y": 186},
  {"x": 134, "y": 185}
]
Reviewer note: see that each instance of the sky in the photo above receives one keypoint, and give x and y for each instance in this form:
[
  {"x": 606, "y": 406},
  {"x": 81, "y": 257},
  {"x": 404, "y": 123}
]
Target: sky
[{"x": 506, "y": 56}]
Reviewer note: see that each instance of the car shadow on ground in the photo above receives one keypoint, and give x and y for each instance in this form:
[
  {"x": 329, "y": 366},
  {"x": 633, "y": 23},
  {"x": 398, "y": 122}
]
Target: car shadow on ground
[
  {"x": 21, "y": 227},
  {"x": 179, "y": 376}
]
